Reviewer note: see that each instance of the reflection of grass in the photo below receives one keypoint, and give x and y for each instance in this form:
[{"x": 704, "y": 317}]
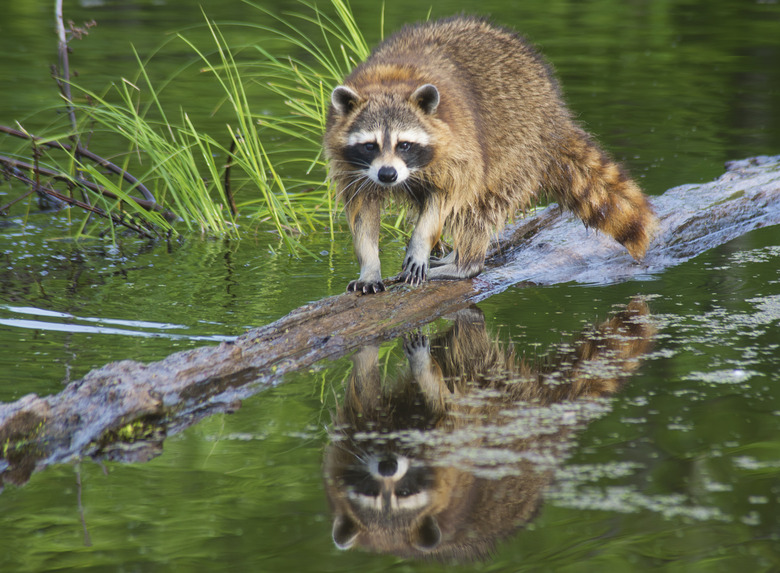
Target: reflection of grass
[{"x": 196, "y": 174}]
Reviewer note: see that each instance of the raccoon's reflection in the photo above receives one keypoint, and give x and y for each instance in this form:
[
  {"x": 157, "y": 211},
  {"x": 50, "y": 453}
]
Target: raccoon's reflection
[{"x": 453, "y": 456}]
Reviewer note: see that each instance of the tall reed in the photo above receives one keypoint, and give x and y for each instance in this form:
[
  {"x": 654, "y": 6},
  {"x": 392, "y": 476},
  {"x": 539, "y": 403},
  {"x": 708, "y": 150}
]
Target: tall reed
[
  {"x": 277, "y": 172},
  {"x": 261, "y": 170}
]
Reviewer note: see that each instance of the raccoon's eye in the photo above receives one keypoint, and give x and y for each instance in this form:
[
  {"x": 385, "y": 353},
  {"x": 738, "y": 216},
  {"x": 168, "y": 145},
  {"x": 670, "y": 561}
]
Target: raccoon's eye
[
  {"x": 404, "y": 145},
  {"x": 369, "y": 146}
]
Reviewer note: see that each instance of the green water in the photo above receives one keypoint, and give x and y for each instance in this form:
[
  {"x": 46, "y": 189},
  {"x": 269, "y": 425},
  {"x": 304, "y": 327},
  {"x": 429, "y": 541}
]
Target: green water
[{"x": 678, "y": 471}]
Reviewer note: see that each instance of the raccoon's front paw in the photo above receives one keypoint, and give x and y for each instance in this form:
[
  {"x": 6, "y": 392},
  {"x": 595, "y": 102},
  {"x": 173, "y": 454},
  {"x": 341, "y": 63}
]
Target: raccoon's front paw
[
  {"x": 415, "y": 342},
  {"x": 366, "y": 287},
  {"x": 413, "y": 272}
]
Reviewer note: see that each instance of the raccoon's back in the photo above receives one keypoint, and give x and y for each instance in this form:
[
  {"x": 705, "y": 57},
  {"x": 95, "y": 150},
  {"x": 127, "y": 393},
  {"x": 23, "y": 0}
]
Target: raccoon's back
[
  {"x": 498, "y": 95},
  {"x": 498, "y": 72}
]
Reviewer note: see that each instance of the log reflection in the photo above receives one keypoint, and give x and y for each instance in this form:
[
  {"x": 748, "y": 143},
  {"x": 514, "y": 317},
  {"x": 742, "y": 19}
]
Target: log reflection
[{"x": 454, "y": 455}]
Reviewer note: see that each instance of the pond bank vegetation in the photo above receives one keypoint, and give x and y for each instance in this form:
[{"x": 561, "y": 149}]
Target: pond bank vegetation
[{"x": 159, "y": 173}]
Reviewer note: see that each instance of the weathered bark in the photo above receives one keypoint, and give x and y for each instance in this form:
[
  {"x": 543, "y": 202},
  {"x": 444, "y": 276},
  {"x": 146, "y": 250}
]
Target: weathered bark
[{"x": 128, "y": 401}]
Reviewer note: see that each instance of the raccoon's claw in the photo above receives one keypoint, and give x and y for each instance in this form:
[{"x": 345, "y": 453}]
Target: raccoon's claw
[
  {"x": 413, "y": 273},
  {"x": 449, "y": 259},
  {"x": 415, "y": 342},
  {"x": 411, "y": 279},
  {"x": 367, "y": 287}
]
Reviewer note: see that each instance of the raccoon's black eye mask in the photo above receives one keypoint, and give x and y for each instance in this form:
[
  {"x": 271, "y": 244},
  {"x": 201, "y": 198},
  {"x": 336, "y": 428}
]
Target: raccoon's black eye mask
[
  {"x": 361, "y": 155},
  {"x": 415, "y": 155}
]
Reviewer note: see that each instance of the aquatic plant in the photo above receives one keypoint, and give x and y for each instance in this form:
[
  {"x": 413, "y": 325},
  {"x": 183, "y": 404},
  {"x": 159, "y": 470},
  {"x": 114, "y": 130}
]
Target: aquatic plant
[{"x": 266, "y": 168}]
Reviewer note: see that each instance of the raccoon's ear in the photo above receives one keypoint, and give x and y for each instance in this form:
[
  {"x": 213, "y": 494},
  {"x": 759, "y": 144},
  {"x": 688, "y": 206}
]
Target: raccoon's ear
[
  {"x": 426, "y": 97},
  {"x": 344, "y": 99},
  {"x": 428, "y": 535},
  {"x": 345, "y": 531}
]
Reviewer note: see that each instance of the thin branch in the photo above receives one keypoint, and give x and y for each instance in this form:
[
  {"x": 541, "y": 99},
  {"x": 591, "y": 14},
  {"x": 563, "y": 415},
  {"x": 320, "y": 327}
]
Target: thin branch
[
  {"x": 96, "y": 210},
  {"x": 105, "y": 163},
  {"x": 5, "y": 208},
  {"x": 15, "y": 164},
  {"x": 117, "y": 219},
  {"x": 31, "y": 174},
  {"x": 64, "y": 81},
  {"x": 87, "y": 540},
  {"x": 228, "y": 192},
  {"x": 36, "y": 166}
]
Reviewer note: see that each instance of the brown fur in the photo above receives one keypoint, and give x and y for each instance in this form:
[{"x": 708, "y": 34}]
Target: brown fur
[
  {"x": 466, "y": 391},
  {"x": 501, "y": 135}
]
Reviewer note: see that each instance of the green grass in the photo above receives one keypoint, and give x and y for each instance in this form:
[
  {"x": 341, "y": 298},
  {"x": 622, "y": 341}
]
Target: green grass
[
  {"x": 169, "y": 153},
  {"x": 292, "y": 205},
  {"x": 277, "y": 173}
]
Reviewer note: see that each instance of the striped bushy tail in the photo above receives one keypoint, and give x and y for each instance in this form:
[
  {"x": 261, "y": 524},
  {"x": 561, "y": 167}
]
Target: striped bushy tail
[{"x": 585, "y": 180}]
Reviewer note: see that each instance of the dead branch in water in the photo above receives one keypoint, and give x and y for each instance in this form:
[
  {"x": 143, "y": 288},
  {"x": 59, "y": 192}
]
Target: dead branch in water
[
  {"x": 148, "y": 202},
  {"x": 38, "y": 187},
  {"x": 549, "y": 247},
  {"x": 62, "y": 73},
  {"x": 31, "y": 173}
]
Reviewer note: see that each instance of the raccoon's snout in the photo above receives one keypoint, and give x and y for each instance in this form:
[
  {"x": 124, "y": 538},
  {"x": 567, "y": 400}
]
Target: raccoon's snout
[
  {"x": 387, "y": 174},
  {"x": 387, "y": 467}
]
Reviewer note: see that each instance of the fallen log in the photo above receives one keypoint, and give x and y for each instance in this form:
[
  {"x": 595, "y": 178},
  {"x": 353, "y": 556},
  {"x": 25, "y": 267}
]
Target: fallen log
[{"x": 130, "y": 402}]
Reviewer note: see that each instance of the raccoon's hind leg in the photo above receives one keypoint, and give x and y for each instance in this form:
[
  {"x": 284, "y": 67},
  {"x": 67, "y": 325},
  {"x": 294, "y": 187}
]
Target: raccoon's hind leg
[
  {"x": 587, "y": 181},
  {"x": 454, "y": 270},
  {"x": 363, "y": 212},
  {"x": 471, "y": 239},
  {"x": 449, "y": 259}
]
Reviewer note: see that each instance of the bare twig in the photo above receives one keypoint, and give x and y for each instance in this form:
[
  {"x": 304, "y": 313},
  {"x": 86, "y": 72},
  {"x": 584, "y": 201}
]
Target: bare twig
[
  {"x": 105, "y": 163},
  {"x": 63, "y": 82},
  {"x": 64, "y": 68},
  {"x": 87, "y": 540},
  {"x": 31, "y": 174},
  {"x": 36, "y": 170},
  {"x": 45, "y": 201},
  {"x": 15, "y": 166},
  {"x": 228, "y": 192},
  {"x": 4, "y": 209},
  {"x": 51, "y": 192}
]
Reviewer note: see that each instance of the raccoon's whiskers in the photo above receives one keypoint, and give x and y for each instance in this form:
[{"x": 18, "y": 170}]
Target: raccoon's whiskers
[
  {"x": 407, "y": 188},
  {"x": 364, "y": 182},
  {"x": 353, "y": 178}
]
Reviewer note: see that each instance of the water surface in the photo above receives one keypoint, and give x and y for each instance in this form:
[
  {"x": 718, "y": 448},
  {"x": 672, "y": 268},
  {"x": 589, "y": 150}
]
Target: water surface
[{"x": 677, "y": 468}]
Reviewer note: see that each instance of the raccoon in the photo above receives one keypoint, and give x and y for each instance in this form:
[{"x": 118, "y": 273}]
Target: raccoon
[
  {"x": 400, "y": 472},
  {"x": 465, "y": 120}
]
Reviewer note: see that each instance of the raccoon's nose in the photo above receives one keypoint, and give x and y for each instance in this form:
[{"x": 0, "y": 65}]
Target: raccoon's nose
[
  {"x": 387, "y": 467},
  {"x": 387, "y": 174}
]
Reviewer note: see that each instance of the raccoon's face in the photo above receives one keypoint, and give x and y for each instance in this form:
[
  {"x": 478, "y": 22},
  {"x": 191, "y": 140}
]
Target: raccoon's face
[
  {"x": 388, "y": 496},
  {"x": 386, "y": 484},
  {"x": 387, "y": 139}
]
